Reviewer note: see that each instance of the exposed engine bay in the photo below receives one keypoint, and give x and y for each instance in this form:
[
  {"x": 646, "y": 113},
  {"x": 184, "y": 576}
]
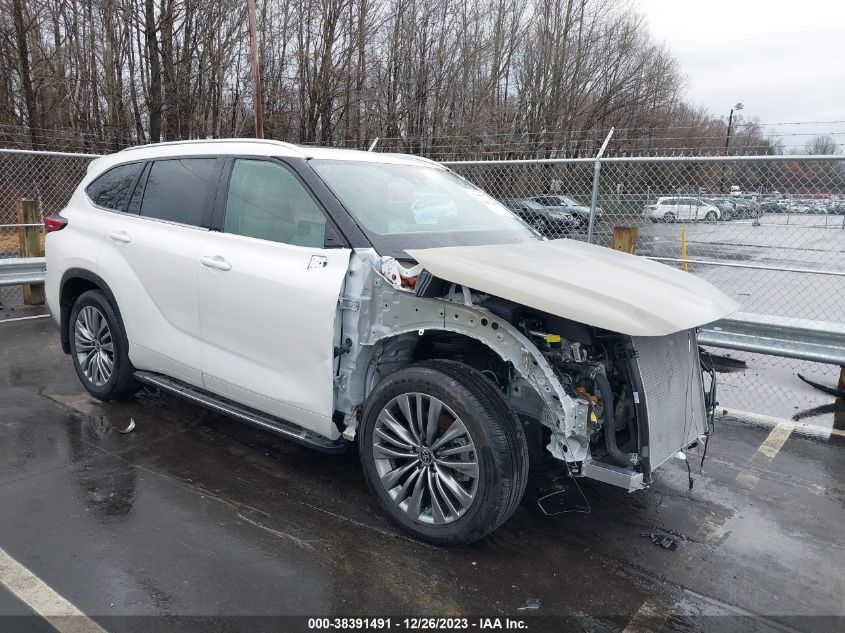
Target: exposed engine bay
[{"x": 610, "y": 406}]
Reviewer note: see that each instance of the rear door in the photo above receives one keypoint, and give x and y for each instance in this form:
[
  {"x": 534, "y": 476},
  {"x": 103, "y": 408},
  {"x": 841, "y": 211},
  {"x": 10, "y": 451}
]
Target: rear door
[
  {"x": 268, "y": 293},
  {"x": 150, "y": 261}
]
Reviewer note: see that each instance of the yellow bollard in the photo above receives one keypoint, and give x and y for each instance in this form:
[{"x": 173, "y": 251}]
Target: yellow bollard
[{"x": 684, "y": 249}]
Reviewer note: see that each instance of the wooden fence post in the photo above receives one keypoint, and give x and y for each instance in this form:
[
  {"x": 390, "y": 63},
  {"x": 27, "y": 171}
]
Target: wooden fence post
[
  {"x": 31, "y": 245},
  {"x": 624, "y": 238}
]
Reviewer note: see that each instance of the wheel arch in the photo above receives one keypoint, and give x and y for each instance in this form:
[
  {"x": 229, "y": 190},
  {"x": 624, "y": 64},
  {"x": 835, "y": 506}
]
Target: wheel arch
[
  {"x": 76, "y": 281},
  {"x": 395, "y": 348}
]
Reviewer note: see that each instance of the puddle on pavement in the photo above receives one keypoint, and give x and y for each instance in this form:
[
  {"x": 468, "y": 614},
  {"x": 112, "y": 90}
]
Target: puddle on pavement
[{"x": 106, "y": 484}]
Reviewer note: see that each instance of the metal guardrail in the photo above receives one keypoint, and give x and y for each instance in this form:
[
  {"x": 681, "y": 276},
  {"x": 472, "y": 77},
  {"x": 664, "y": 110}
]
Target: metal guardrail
[
  {"x": 22, "y": 270},
  {"x": 816, "y": 341}
]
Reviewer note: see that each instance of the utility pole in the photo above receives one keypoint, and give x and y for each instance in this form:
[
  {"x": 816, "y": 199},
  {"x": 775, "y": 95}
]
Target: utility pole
[{"x": 256, "y": 70}]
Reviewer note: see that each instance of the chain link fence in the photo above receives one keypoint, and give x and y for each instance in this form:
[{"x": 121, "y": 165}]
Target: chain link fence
[
  {"x": 769, "y": 231},
  {"x": 49, "y": 178}
]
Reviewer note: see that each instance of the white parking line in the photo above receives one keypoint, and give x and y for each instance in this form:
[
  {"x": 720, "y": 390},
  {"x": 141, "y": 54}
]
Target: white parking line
[
  {"x": 26, "y": 318},
  {"x": 39, "y": 597},
  {"x": 770, "y": 420},
  {"x": 770, "y": 447}
]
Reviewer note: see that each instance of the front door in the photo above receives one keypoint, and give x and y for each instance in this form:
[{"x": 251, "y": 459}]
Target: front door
[{"x": 268, "y": 293}]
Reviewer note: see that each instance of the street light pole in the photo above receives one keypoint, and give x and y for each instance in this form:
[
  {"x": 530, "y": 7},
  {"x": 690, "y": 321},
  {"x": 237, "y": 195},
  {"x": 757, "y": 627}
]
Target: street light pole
[
  {"x": 738, "y": 106},
  {"x": 256, "y": 71}
]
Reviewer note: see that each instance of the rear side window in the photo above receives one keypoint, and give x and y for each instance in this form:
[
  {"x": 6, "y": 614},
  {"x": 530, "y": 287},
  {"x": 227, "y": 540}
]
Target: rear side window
[
  {"x": 177, "y": 190},
  {"x": 113, "y": 188}
]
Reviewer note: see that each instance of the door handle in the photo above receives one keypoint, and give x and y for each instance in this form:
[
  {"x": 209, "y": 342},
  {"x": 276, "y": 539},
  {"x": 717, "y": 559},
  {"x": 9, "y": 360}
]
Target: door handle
[
  {"x": 216, "y": 262},
  {"x": 120, "y": 236}
]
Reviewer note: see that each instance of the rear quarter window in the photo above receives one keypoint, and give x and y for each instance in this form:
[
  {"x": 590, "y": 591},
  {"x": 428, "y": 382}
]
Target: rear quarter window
[{"x": 112, "y": 189}]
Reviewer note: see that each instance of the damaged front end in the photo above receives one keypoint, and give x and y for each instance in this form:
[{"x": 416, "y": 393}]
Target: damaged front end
[{"x": 611, "y": 406}]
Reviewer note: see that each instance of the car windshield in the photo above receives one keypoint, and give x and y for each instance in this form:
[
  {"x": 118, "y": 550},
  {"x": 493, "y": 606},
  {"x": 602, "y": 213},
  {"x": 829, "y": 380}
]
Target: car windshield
[{"x": 416, "y": 206}]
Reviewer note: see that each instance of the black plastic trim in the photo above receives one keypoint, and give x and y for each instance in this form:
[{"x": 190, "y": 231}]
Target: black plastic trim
[
  {"x": 142, "y": 183},
  {"x": 264, "y": 421},
  {"x": 65, "y": 308},
  {"x": 341, "y": 216}
]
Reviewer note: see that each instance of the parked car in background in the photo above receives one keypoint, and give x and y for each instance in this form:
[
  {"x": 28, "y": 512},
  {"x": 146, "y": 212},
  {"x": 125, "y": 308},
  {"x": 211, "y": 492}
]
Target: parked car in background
[
  {"x": 675, "y": 208},
  {"x": 770, "y": 206},
  {"x": 729, "y": 209},
  {"x": 820, "y": 207},
  {"x": 735, "y": 209},
  {"x": 551, "y": 222},
  {"x": 580, "y": 212},
  {"x": 378, "y": 302}
]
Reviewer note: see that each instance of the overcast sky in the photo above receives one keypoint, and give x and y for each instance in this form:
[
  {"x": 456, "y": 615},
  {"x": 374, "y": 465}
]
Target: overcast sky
[{"x": 785, "y": 61}]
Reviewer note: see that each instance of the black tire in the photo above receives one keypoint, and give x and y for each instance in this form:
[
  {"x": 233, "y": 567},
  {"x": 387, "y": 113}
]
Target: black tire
[
  {"x": 710, "y": 216},
  {"x": 669, "y": 217},
  {"x": 501, "y": 450},
  {"x": 121, "y": 382}
]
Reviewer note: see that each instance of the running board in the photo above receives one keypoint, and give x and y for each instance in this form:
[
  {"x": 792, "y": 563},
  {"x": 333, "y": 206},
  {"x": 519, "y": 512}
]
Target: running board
[{"x": 243, "y": 413}]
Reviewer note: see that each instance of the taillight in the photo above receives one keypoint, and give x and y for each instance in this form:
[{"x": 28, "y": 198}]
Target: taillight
[{"x": 54, "y": 223}]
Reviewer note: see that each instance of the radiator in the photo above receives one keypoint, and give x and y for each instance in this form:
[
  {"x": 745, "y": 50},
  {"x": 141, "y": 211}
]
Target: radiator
[{"x": 672, "y": 391}]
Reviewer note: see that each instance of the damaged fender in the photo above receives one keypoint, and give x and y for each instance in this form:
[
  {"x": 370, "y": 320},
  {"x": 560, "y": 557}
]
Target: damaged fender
[{"x": 372, "y": 311}]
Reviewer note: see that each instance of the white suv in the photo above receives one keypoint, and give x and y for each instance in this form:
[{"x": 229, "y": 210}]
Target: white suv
[
  {"x": 338, "y": 297},
  {"x": 673, "y": 208}
]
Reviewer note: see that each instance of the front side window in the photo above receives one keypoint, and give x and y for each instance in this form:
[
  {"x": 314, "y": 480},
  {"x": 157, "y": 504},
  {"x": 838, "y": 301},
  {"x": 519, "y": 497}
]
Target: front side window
[
  {"x": 177, "y": 190},
  {"x": 417, "y": 206},
  {"x": 113, "y": 188},
  {"x": 266, "y": 201}
]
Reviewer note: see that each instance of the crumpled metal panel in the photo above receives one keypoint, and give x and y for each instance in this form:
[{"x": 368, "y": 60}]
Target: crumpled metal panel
[{"x": 673, "y": 389}]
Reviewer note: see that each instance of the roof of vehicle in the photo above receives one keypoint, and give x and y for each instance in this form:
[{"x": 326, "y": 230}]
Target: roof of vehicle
[{"x": 250, "y": 147}]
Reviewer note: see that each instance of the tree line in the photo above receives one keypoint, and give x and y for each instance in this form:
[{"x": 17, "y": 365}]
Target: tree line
[{"x": 445, "y": 78}]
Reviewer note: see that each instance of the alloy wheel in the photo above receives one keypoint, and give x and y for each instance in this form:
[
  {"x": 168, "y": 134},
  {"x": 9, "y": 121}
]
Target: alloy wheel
[
  {"x": 94, "y": 345},
  {"x": 425, "y": 458}
]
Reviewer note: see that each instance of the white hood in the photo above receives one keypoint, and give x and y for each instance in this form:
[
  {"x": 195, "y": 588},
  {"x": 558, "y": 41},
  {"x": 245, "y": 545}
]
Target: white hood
[{"x": 583, "y": 282}]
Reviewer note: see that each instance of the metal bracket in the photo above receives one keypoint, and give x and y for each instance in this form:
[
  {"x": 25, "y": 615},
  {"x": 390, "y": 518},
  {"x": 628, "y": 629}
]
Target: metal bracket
[{"x": 345, "y": 303}]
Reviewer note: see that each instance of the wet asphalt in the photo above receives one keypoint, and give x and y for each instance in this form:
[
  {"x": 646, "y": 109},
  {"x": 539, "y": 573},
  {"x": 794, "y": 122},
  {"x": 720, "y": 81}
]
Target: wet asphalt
[{"x": 196, "y": 516}]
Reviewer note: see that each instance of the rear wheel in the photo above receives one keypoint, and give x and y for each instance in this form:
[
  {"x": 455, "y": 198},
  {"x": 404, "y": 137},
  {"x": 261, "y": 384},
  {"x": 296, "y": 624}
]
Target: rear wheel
[
  {"x": 99, "y": 348},
  {"x": 443, "y": 452},
  {"x": 669, "y": 217},
  {"x": 710, "y": 216}
]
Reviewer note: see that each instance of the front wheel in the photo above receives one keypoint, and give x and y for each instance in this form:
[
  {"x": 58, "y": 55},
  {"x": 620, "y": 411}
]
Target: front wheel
[
  {"x": 443, "y": 452},
  {"x": 710, "y": 216},
  {"x": 99, "y": 347},
  {"x": 669, "y": 217}
]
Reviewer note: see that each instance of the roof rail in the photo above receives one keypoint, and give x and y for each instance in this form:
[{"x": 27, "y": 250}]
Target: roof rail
[
  {"x": 214, "y": 140},
  {"x": 421, "y": 159}
]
